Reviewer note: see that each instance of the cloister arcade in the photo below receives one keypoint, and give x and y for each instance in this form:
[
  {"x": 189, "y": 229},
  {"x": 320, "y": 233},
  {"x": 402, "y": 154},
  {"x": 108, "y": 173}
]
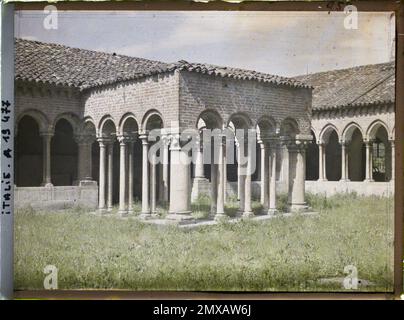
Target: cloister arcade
[
  {"x": 352, "y": 153},
  {"x": 118, "y": 157}
]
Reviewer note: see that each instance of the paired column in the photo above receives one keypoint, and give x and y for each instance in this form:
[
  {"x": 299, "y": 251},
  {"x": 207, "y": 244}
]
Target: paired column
[
  {"x": 130, "y": 175},
  {"x": 264, "y": 172},
  {"x": 110, "y": 186},
  {"x": 180, "y": 197},
  {"x": 145, "y": 178},
  {"x": 321, "y": 163},
  {"x": 297, "y": 172},
  {"x": 344, "y": 162},
  {"x": 153, "y": 183},
  {"x": 272, "y": 180},
  {"x": 46, "y": 159},
  {"x": 102, "y": 178},
  {"x": 123, "y": 210},
  {"x": 221, "y": 180},
  {"x": 247, "y": 180},
  {"x": 165, "y": 169},
  {"x": 369, "y": 161}
]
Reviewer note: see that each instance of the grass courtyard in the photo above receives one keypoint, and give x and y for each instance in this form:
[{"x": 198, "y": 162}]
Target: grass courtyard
[{"x": 302, "y": 253}]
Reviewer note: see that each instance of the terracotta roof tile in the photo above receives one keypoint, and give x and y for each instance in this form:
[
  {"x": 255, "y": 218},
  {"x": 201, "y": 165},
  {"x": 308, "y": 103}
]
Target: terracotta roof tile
[{"x": 358, "y": 86}]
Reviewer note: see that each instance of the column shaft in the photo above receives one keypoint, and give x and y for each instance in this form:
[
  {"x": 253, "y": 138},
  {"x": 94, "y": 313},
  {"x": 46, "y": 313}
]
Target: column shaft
[
  {"x": 46, "y": 160},
  {"x": 321, "y": 163},
  {"x": 130, "y": 176},
  {"x": 393, "y": 160},
  {"x": 247, "y": 191},
  {"x": 153, "y": 183},
  {"x": 297, "y": 168},
  {"x": 101, "y": 196},
  {"x": 122, "y": 177},
  {"x": 369, "y": 162},
  {"x": 110, "y": 152},
  {"x": 145, "y": 178},
  {"x": 220, "y": 183},
  {"x": 180, "y": 197},
  {"x": 272, "y": 192},
  {"x": 264, "y": 175}
]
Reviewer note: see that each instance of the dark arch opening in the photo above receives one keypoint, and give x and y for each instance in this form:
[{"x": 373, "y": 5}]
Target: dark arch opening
[
  {"x": 63, "y": 155},
  {"x": 28, "y": 147},
  {"x": 356, "y": 157},
  {"x": 333, "y": 158},
  {"x": 381, "y": 156},
  {"x": 312, "y": 159}
]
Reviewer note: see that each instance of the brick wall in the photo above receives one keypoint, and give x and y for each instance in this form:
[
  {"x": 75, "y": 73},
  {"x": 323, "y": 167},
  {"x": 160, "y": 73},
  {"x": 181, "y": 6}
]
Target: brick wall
[{"x": 229, "y": 96}]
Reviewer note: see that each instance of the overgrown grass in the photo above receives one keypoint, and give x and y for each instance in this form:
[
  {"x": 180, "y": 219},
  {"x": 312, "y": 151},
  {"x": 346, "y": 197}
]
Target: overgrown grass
[{"x": 281, "y": 254}]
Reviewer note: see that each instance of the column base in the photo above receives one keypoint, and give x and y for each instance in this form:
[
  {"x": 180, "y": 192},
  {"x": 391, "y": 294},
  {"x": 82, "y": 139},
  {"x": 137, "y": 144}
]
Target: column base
[
  {"x": 84, "y": 183},
  {"x": 272, "y": 212},
  {"x": 248, "y": 214},
  {"x": 123, "y": 213},
  {"x": 322, "y": 180},
  {"x": 200, "y": 186},
  {"x": 179, "y": 216},
  {"x": 109, "y": 209},
  {"x": 101, "y": 210},
  {"x": 46, "y": 184},
  {"x": 221, "y": 217},
  {"x": 298, "y": 207},
  {"x": 145, "y": 216},
  {"x": 345, "y": 180},
  {"x": 368, "y": 180}
]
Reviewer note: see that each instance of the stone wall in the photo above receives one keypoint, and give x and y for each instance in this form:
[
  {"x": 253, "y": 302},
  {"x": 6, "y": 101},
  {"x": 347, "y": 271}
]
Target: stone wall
[{"x": 55, "y": 198}]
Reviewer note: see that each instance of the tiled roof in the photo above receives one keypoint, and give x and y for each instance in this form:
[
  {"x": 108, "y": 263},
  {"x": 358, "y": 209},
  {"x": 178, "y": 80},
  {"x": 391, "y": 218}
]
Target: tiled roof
[
  {"x": 61, "y": 65},
  {"x": 358, "y": 86},
  {"x": 236, "y": 73}
]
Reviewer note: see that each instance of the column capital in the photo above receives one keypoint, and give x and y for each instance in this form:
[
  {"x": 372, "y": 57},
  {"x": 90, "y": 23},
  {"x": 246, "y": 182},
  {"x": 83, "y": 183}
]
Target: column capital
[
  {"x": 49, "y": 134},
  {"x": 123, "y": 139}
]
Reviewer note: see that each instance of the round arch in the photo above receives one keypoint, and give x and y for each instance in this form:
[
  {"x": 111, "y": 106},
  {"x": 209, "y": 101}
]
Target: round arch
[
  {"x": 107, "y": 126},
  {"x": 211, "y": 119},
  {"x": 151, "y": 120},
  {"x": 40, "y": 118},
  {"x": 128, "y": 124},
  {"x": 73, "y": 119}
]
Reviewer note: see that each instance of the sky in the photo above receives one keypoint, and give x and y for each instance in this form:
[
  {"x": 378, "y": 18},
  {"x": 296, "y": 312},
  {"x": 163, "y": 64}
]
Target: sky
[{"x": 282, "y": 43}]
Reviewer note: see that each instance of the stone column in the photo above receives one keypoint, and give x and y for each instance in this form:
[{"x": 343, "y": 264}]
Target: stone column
[
  {"x": 199, "y": 182},
  {"x": 46, "y": 159},
  {"x": 122, "y": 176},
  {"x": 393, "y": 160},
  {"x": 84, "y": 165},
  {"x": 239, "y": 180},
  {"x": 221, "y": 180},
  {"x": 130, "y": 175},
  {"x": 344, "y": 162},
  {"x": 145, "y": 178},
  {"x": 153, "y": 183},
  {"x": 297, "y": 173},
  {"x": 180, "y": 197},
  {"x": 247, "y": 189},
  {"x": 369, "y": 162},
  {"x": 110, "y": 156},
  {"x": 321, "y": 163},
  {"x": 102, "y": 180},
  {"x": 264, "y": 174},
  {"x": 272, "y": 184},
  {"x": 165, "y": 168}
]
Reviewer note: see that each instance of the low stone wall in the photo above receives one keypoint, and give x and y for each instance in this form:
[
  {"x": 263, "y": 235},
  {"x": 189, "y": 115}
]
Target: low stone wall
[
  {"x": 55, "y": 198},
  {"x": 330, "y": 188}
]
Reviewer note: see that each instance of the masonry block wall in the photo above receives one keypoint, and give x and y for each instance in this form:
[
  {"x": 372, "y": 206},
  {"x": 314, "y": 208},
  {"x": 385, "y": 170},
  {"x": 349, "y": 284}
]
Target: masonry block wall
[
  {"x": 228, "y": 96},
  {"x": 158, "y": 92}
]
